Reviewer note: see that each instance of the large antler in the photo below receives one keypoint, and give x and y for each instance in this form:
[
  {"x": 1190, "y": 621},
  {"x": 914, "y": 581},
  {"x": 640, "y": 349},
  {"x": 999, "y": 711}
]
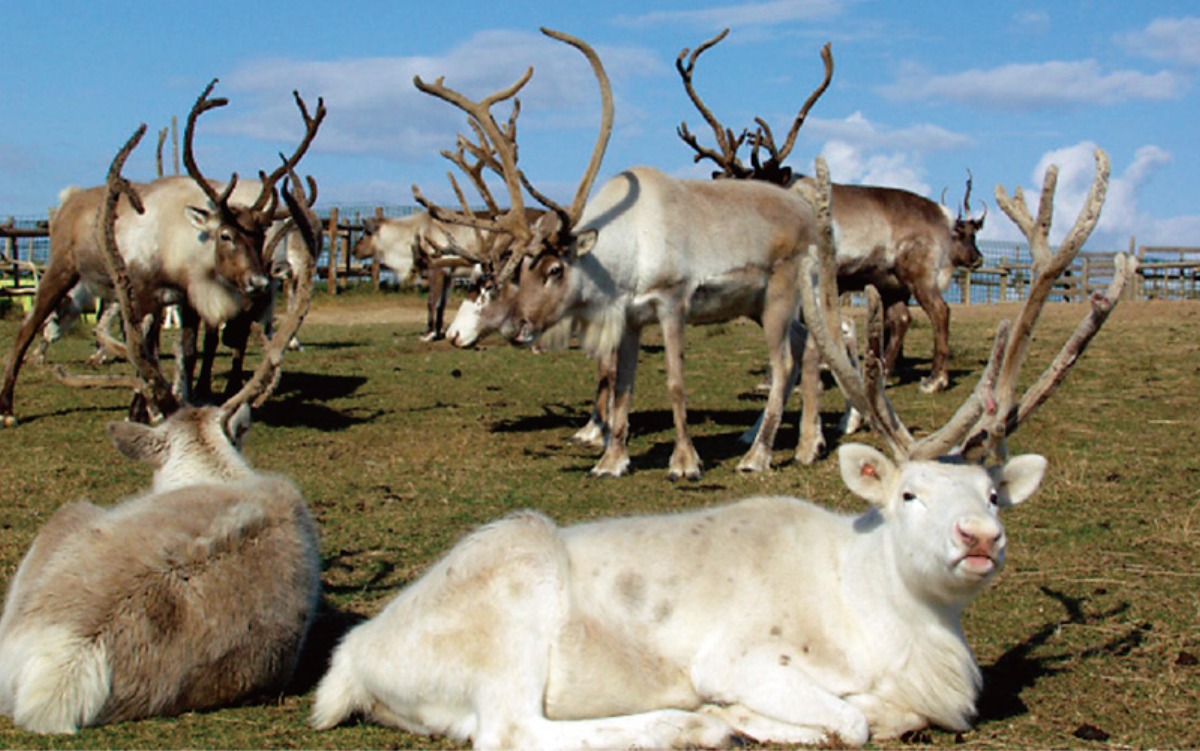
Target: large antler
[
  {"x": 993, "y": 410},
  {"x": 262, "y": 383},
  {"x": 728, "y": 143},
  {"x": 497, "y": 150},
  {"x": 203, "y": 104},
  {"x": 153, "y": 385},
  {"x": 773, "y": 169},
  {"x": 263, "y": 208}
]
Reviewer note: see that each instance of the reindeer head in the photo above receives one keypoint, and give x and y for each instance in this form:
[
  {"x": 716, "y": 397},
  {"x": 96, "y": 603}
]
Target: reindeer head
[
  {"x": 238, "y": 232},
  {"x": 193, "y": 445},
  {"x": 942, "y": 516},
  {"x": 365, "y": 247},
  {"x": 964, "y": 252},
  {"x": 528, "y": 249}
]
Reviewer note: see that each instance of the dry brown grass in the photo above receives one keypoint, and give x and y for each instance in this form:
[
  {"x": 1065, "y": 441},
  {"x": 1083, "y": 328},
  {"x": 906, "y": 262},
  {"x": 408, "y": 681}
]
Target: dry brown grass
[{"x": 402, "y": 447}]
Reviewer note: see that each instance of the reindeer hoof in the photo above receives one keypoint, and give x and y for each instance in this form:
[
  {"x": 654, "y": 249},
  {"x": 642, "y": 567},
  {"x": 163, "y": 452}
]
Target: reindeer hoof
[
  {"x": 610, "y": 469},
  {"x": 10, "y": 421},
  {"x": 808, "y": 453},
  {"x": 757, "y": 459},
  {"x": 432, "y": 336},
  {"x": 675, "y": 475},
  {"x": 934, "y": 384}
]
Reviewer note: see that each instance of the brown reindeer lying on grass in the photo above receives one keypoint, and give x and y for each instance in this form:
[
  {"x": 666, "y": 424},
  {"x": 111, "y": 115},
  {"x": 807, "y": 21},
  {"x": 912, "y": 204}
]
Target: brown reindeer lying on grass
[{"x": 195, "y": 594}]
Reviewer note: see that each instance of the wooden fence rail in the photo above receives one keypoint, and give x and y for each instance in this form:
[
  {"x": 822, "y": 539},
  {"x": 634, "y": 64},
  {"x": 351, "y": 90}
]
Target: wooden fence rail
[{"x": 1163, "y": 272}]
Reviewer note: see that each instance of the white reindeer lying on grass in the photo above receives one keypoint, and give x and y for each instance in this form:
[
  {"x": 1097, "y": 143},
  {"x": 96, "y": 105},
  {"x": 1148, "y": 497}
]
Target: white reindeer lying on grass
[{"x": 771, "y": 617}]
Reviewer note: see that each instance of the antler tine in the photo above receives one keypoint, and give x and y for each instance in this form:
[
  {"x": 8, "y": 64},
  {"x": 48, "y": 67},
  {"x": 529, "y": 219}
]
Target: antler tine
[
  {"x": 820, "y": 304},
  {"x": 606, "y": 124},
  {"x": 204, "y": 104},
  {"x": 966, "y": 209},
  {"x": 311, "y": 126},
  {"x": 266, "y": 376},
  {"x": 491, "y": 133},
  {"x": 779, "y": 155},
  {"x": 728, "y": 144},
  {"x": 992, "y": 429},
  {"x": 155, "y": 386}
]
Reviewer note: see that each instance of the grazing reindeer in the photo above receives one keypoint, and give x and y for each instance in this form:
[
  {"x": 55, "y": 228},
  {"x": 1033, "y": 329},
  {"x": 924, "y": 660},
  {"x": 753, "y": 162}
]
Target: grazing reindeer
[
  {"x": 772, "y": 617},
  {"x": 195, "y": 594},
  {"x": 193, "y": 237},
  {"x": 897, "y": 241},
  {"x": 648, "y": 248},
  {"x": 421, "y": 243}
]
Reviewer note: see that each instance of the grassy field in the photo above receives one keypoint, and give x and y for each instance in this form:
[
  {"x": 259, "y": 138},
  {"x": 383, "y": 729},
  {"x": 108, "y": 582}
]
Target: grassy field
[{"x": 1088, "y": 638}]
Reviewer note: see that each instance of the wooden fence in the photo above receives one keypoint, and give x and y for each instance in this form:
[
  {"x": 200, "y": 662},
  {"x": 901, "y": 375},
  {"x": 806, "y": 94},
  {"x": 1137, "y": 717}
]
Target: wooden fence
[{"x": 1163, "y": 272}]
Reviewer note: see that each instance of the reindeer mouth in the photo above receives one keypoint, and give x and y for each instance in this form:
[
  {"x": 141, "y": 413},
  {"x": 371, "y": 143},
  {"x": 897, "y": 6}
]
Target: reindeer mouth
[{"x": 976, "y": 563}]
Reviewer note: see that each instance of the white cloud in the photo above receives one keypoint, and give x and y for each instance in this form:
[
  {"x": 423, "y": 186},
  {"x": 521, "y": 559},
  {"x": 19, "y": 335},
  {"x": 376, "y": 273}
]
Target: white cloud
[
  {"x": 1121, "y": 216},
  {"x": 851, "y": 164},
  {"x": 857, "y": 129},
  {"x": 1032, "y": 22},
  {"x": 741, "y": 15},
  {"x": 1029, "y": 86},
  {"x": 1170, "y": 40},
  {"x": 375, "y": 108}
]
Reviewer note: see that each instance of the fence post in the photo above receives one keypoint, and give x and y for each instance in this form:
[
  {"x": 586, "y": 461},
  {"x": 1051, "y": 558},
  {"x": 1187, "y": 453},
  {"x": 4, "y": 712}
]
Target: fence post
[
  {"x": 966, "y": 287},
  {"x": 375, "y": 256},
  {"x": 334, "y": 246},
  {"x": 1003, "y": 267}
]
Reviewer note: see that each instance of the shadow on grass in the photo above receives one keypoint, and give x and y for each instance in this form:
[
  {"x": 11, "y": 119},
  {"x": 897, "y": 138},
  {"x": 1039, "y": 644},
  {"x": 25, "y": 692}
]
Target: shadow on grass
[
  {"x": 1021, "y": 667},
  {"x": 301, "y": 399},
  {"x": 326, "y": 633}
]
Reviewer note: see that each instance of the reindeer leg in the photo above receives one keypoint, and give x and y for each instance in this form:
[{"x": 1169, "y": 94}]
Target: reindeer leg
[
  {"x": 777, "y": 327},
  {"x": 685, "y": 462},
  {"x": 439, "y": 288},
  {"x": 52, "y": 288},
  {"x": 935, "y": 307},
  {"x": 595, "y": 433},
  {"x": 898, "y": 318},
  {"x": 812, "y": 437},
  {"x": 615, "y": 461}
]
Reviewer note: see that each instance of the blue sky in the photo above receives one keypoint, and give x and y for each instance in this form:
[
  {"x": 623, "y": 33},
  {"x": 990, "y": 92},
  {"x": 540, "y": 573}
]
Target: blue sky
[{"x": 922, "y": 91}]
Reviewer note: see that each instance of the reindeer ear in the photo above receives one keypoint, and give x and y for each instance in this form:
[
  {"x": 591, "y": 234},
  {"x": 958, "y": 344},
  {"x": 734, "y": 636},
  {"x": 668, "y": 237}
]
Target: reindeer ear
[
  {"x": 585, "y": 242},
  {"x": 1019, "y": 478},
  {"x": 237, "y": 425},
  {"x": 198, "y": 217},
  {"x": 865, "y": 471},
  {"x": 138, "y": 442}
]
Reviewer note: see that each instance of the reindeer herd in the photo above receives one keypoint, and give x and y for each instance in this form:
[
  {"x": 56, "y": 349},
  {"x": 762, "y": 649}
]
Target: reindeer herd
[{"x": 770, "y": 618}]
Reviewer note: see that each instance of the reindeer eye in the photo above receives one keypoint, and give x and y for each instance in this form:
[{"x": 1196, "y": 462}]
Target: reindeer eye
[
  {"x": 909, "y": 496},
  {"x": 994, "y": 498},
  {"x": 555, "y": 271}
]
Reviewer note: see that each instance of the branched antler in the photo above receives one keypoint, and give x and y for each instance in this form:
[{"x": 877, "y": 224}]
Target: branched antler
[
  {"x": 259, "y": 387},
  {"x": 497, "y": 151},
  {"x": 725, "y": 156},
  {"x": 155, "y": 387},
  {"x": 994, "y": 409}
]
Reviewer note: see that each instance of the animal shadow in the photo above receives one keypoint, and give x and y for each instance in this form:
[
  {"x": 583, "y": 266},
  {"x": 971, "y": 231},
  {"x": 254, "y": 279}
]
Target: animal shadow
[
  {"x": 326, "y": 632},
  {"x": 1023, "y": 665}
]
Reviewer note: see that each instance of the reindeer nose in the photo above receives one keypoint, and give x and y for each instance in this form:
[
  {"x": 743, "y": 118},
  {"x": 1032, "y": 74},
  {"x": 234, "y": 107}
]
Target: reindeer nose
[
  {"x": 257, "y": 283},
  {"x": 976, "y": 536}
]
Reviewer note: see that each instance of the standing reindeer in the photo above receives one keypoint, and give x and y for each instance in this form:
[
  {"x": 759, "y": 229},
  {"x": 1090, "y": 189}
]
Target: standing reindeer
[
  {"x": 772, "y": 617},
  {"x": 648, "y": 248},
  {"x": 195, "y": 594},
  {"x": 192, "y": 239},
  {"x": 899, "y": 242}
]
